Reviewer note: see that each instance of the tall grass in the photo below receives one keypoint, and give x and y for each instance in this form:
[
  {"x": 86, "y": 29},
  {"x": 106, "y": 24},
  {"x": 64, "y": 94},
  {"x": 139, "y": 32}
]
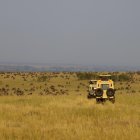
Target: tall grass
[{"x": 69, "y": 117}]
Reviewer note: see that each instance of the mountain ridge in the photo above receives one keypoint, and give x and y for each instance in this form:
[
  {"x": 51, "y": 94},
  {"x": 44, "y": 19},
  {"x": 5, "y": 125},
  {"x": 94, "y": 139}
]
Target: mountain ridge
[{"x": 42, "y": 67}]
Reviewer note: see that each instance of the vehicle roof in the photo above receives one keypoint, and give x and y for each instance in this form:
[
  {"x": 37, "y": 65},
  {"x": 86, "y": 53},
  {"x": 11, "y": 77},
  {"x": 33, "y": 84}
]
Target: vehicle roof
[{"x": 106, "y": 75}]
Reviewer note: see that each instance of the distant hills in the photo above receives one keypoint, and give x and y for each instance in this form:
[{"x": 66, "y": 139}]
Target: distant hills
[{"x": 32, "y": 67}]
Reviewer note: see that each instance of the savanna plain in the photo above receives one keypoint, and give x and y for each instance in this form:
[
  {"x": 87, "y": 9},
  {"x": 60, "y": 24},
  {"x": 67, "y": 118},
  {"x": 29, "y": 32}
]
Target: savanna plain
[{"x": 54, "y": 106}]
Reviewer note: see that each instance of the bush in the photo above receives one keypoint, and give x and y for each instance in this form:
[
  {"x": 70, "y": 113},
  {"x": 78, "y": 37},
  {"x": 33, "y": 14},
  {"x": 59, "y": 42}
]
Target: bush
[
  {"x": 133, "y": 91},
  {"x": 42, "y": 78},
  {"x": 122, "y": 77},
  {"x": 138, "y": 72},
  {"x": 86, "y": 75},
  {"x": 115, "y": 78}
]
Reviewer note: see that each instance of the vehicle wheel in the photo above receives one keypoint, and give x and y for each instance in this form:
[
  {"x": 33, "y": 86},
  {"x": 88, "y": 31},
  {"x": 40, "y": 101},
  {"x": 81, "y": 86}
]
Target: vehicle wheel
[
  {"x": 110, "y": 92},
  {"x": 99, "y": 92}
]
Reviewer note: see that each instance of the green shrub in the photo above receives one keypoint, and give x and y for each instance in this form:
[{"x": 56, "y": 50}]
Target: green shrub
[
  {"x": 133, "y": 91},
  {"x": 115, "y": 78},
  {"x": 122, "y": 77},
  {"x": 42, "y": 78},
  {"x": 86, "y": 75}
]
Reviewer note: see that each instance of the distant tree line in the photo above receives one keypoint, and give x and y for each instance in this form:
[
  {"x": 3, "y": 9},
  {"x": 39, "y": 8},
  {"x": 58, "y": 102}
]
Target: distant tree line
[
  {"x": 115, "y": 76},
  {"x": 122, "y": 77}
]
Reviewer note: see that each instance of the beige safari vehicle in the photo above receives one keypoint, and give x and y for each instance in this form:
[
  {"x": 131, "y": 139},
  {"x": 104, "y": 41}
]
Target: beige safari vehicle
[
  {"x": 92, "y": 88},
  {"x": 102, "y": 89}
]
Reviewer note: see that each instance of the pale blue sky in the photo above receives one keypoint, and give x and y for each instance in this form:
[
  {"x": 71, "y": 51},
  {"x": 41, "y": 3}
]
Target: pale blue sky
[{"x": 70, "y": 31}]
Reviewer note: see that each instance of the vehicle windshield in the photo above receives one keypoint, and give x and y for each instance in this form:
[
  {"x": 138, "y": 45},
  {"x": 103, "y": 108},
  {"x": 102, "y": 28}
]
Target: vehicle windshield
[{"x": 105, "y": 86}]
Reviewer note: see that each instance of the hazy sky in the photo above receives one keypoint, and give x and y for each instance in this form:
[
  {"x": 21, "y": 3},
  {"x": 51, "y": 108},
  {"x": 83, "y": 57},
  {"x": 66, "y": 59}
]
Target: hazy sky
[{"x": 70, "y": 31}]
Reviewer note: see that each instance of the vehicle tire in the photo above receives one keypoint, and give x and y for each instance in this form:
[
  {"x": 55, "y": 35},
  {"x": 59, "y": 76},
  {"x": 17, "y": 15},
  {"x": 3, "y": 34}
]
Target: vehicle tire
[
  {"x": 110, "y": 92},
  {"x": 99, "y": 92}
]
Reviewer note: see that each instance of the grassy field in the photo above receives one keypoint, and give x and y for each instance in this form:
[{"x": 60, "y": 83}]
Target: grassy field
[{"x": 63, "y": 112}]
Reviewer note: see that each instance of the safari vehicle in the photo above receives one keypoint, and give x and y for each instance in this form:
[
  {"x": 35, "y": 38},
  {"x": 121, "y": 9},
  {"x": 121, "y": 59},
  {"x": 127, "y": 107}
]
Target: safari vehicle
[
  {"x": 105, "y": 89},
  {"x": 92, "y": 88},
  {"x": 102, "y": 89}
]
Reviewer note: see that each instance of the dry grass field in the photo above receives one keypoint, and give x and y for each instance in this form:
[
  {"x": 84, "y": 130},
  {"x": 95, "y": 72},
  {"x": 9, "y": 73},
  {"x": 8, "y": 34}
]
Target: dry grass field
[{"x": 54, "y": 106}]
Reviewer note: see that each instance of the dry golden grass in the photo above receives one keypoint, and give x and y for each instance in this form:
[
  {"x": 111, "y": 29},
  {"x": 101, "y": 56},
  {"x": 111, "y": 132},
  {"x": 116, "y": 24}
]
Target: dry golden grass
[{"x": 68, "y": 117}]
